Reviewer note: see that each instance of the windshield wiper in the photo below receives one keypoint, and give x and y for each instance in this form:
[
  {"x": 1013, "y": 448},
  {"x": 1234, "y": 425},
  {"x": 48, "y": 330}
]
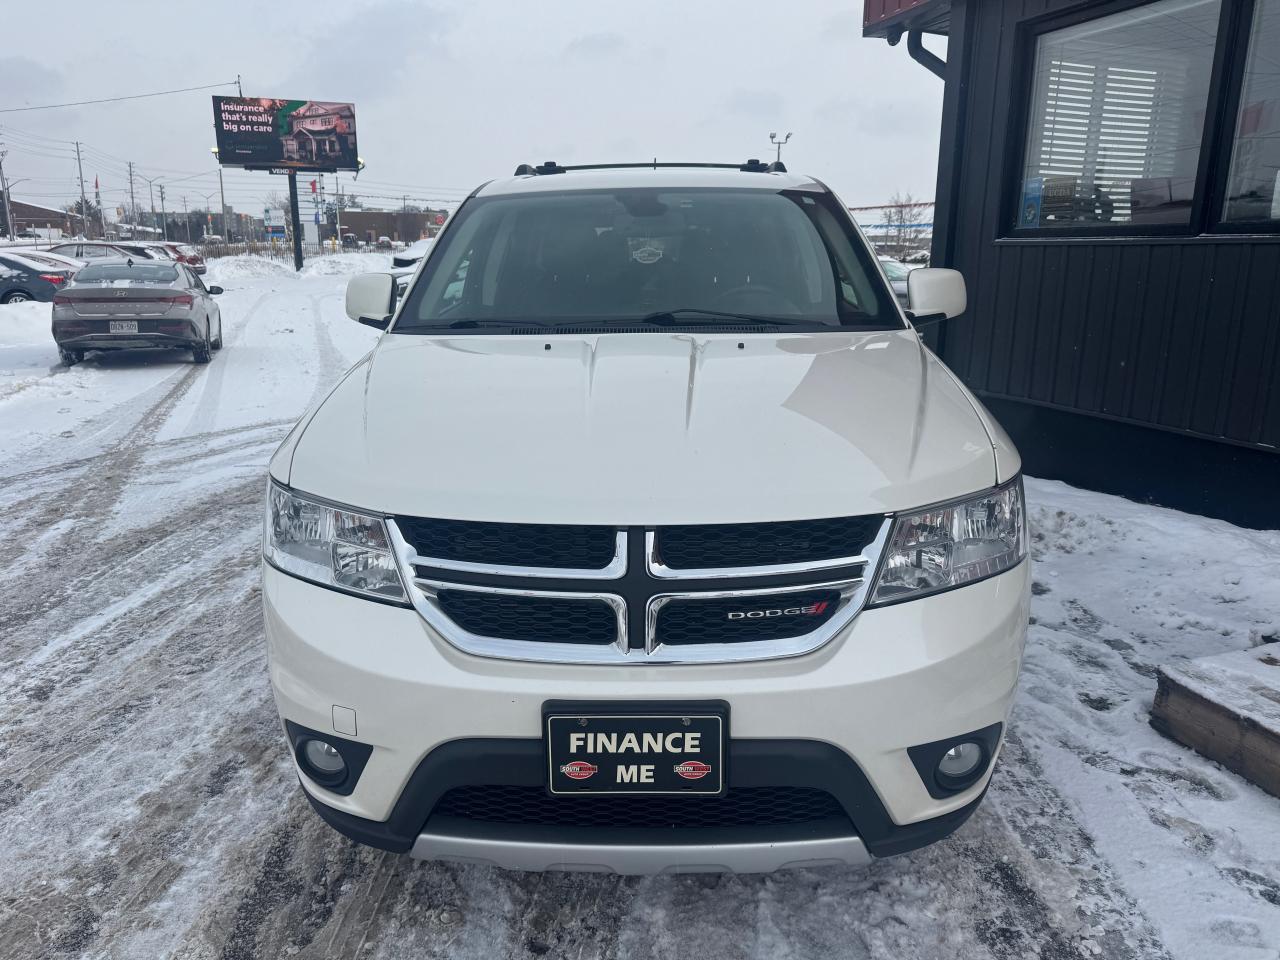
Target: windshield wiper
[
  {"x": 683, "y": 316},
  {"x": 470, "y": 324}
]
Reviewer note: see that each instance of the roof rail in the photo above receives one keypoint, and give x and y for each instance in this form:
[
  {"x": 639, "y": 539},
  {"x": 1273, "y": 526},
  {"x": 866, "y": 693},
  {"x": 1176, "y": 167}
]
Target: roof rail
[{"x": 550, "y": 167}]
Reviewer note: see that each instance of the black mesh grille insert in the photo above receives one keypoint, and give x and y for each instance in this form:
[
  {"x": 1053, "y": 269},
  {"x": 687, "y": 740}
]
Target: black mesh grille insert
[
  {"x": 739, "y": 807},
  {"x": 742, "y": 619},
  {"x": 764, "y": 544},
  {"x": 532, "y": 619},
  {"x": 511, "y": 544}
]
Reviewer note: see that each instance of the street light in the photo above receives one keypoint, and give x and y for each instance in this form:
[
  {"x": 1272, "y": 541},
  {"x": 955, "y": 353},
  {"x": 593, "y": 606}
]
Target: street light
[
  {"x": 6, "y": 187},
  {"x": 222, "y": 195},
  {"x": 208, "y": 212}
]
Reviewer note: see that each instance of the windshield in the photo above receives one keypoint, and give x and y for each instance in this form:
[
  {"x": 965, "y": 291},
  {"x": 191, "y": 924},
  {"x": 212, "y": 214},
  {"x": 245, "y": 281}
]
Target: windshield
[
  {"x": 699, "y": 257},
  {"x": 149, "y": 272}
]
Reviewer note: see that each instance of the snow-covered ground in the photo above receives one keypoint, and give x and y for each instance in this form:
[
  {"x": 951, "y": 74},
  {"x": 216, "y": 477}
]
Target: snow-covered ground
[{"x": 148, "y": 809}]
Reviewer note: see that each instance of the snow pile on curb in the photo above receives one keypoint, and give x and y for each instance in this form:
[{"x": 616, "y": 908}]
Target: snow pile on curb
[
  {"x": 25, "y": 323},
  {"x": 246, "y": 266},
  {"x": 249, "y": 266},
  {"x": 346, "y": 264},
  {"x": 27, "y": 350}
]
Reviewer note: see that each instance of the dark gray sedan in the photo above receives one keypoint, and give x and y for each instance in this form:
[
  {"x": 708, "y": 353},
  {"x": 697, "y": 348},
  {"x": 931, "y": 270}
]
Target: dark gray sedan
[
  {"x": 126, "y": 304},
  {"x": 23, "y": 279}
]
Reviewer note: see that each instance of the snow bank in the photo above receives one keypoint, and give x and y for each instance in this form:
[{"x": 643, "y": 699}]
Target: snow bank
[
  {"x": 27, "y": 350},
  {"x": 246, "y": 267},
  {"x": 25, "y": 323},
  {"x": 346, "y": 264}
]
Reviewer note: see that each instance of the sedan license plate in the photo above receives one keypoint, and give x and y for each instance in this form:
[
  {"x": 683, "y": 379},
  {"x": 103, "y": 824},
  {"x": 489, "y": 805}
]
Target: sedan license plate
[
  {"x": 123, "y": 326},
  {"x": 659, "y": 751}
]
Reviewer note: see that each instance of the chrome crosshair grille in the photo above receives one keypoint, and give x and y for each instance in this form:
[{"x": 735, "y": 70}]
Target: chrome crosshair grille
[{"x": 687, "y": 594}]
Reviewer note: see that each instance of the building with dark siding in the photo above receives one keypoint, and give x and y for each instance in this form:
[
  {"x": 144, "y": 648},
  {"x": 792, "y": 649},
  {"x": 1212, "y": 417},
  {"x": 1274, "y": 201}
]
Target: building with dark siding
[{"x": 1109, "y": 184}]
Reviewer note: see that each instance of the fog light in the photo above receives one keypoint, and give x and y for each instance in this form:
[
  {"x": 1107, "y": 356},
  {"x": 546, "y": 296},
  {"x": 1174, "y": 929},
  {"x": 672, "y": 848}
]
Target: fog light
[
  {"x": 960, "y": 761},
  {"x": 324, "y": 760}
]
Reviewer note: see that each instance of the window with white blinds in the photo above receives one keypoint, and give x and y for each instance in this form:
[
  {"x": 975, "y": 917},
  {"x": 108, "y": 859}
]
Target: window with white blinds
[{"x": 1117, "y": 115}]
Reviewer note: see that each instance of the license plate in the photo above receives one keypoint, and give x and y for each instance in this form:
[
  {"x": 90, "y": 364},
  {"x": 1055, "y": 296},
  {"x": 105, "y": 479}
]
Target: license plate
[
  {"x": 123, "y": 326},
  {"x": 666, "y": 750}
]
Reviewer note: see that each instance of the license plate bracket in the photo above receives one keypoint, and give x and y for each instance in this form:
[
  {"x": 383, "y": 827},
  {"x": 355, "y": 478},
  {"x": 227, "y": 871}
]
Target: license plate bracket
[{"x": 629, "y": 747}]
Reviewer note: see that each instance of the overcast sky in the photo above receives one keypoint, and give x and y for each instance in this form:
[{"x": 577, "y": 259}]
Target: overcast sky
[{"x": 449, "y": 94}]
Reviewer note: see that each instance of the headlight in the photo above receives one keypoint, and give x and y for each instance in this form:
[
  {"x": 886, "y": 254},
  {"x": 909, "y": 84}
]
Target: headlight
[
  {"x": 953, "y": 544},
  {"x": 329, "y": 545}
]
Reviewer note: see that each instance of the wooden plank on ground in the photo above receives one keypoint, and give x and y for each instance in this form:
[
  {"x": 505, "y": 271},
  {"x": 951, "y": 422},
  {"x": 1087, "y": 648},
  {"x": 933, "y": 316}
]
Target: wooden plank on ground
[{"x": 1226, "y": 707}]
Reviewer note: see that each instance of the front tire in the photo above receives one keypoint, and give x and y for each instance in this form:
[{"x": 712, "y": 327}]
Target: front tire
[
  {"x": 17, "y": 296},
  {"x": 217, "y": 344}
]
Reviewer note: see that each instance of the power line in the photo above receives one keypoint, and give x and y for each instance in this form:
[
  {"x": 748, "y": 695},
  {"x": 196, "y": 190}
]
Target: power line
[{"x": 136, "y": 96}]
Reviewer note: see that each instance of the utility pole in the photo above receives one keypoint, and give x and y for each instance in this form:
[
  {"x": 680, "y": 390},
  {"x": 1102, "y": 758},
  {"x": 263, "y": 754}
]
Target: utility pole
[
  {"x": 84, "y": 203},
  {"x": 164, "y": 217},
  {"x": 4, "y": 189},
  {"x": 151, "y": 186},
  {"x": 773, "y": 138},
  {"x": 222, "y": 195},
  {"x": 186, "y": 218},
  {"x": 337, "y": 207},
  {"x": 133, "y": 203}
]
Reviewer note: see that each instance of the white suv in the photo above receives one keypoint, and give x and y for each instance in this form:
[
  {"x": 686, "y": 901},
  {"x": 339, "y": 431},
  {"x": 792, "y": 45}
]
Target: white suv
[{"x": 649, "y": 537}]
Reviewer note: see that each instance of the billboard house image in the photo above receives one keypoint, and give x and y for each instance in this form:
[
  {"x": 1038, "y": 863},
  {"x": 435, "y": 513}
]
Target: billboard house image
[{"x": 261, "y": 132}]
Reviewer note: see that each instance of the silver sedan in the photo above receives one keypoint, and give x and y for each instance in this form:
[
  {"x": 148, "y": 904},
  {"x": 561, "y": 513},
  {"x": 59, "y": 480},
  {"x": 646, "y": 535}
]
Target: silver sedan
[{"x": 127, "y": 304}]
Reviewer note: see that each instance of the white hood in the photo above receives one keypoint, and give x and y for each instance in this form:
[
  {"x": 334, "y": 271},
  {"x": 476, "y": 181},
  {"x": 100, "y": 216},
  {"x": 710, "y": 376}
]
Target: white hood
[{"x": 645, "y": 428}]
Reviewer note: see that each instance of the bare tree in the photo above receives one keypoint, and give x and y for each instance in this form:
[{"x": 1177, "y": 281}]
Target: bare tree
[{"x": 905, "y": 234}]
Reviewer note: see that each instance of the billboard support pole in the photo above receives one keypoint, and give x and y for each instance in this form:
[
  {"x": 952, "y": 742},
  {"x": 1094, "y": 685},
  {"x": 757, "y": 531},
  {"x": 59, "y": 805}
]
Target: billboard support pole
[{"x": 294, "y": 220}]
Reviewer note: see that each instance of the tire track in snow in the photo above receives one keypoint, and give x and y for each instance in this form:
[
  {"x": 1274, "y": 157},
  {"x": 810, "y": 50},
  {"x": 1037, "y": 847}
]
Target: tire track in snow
[
  {"x": 207, "y": 410},
  {"x": 332, "y": 364}
]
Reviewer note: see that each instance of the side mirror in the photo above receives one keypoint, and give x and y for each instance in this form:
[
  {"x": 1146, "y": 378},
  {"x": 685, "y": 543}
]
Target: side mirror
[
  {"x": 371, "y": 299},
  {"x": 935, "y": 294},
  {"x": 214, "y": 291}
]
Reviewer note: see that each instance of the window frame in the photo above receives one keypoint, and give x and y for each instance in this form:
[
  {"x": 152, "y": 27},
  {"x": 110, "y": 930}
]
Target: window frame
[
  {"x": 1217, "y": 140},
  {"x": 1221, "y": 185}
]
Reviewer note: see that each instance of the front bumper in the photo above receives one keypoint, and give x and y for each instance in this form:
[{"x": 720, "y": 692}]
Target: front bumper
[{"x": 897, "y": 677}]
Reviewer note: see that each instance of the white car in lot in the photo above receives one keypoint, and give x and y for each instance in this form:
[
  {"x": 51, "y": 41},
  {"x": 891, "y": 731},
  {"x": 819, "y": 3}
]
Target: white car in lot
[
  {"x": 649, "y": 537},
  {"x": 410, "y": 255}
]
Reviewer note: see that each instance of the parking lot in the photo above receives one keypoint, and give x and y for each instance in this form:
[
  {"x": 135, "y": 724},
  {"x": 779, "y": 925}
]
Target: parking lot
[{"x": 150, "y": 808}]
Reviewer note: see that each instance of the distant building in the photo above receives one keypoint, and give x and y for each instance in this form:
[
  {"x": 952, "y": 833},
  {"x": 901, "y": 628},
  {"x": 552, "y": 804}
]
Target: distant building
[
  {"x": 369, "y": 225},
  {"x": 31, "y": 216}
]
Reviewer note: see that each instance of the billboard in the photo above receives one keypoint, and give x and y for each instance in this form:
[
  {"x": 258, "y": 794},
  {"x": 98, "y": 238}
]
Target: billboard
[{"x": 259, "y": 132}]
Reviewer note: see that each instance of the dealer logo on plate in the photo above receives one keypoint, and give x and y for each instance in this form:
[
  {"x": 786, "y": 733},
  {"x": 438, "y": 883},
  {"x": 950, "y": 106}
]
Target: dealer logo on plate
[
  {"x": 693, "y": 769},
  {"x": 579, "y": 770}
]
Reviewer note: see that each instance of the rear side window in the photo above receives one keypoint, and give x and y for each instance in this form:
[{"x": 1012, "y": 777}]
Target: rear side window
[
  {"x": 613, "y": 256},
  {"x": 151, "y": 272}
]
